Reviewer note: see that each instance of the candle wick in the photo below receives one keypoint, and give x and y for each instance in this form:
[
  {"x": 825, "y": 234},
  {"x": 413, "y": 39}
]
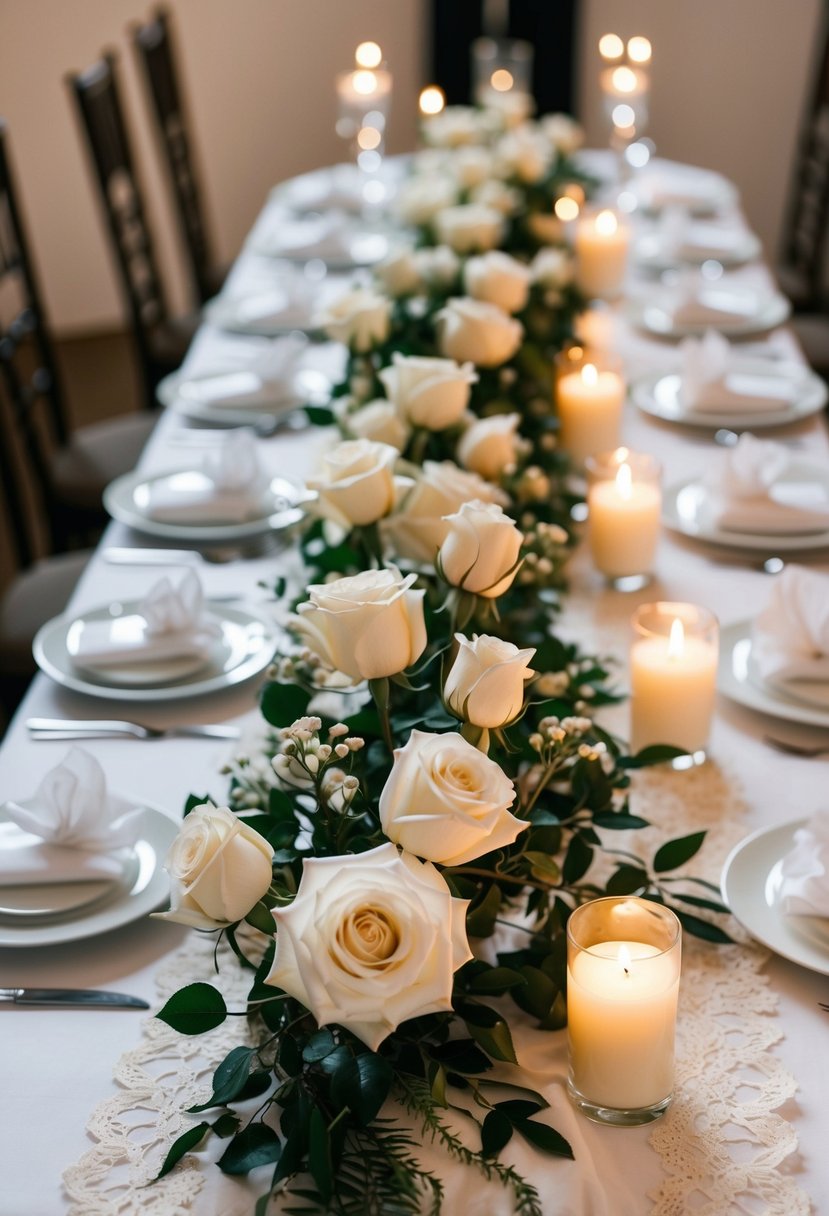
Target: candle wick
[{"x": 626, "y": 971}]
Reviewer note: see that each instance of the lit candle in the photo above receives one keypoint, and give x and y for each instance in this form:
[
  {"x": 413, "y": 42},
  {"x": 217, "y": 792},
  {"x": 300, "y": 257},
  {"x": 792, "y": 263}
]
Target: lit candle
[
  {"x": 639, "y": 49},
  {"x": 624, "y": 506},
  {"x": 621, "y": 1008},
  {"x": 673, "y": 675},
  {"x": 590, "y": 399},
  {"x": 432, "y": 100},
  {"x": 601, "y": 246},
  {"x": 624, "y": 83},
  {"x": 611, "y": 47}
]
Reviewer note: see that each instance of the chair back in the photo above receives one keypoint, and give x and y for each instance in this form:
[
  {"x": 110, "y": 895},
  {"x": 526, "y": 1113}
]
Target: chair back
[
  {"x": 102, "y": 120},
  {"x": 155, "y": 50}
]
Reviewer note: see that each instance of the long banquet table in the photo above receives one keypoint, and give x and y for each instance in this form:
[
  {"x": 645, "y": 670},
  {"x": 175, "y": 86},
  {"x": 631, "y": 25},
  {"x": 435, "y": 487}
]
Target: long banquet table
[{"x": 57, "y": 1066}]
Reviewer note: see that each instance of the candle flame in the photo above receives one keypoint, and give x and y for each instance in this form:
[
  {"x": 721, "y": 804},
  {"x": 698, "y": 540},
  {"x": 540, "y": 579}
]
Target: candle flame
[
  {"x": 368, "y": 55},
  {"x": 611, "y": 46},
  {"x": 432, "y": 100},
  {"x": 606, "y": 223},
  {"x": 501, "y": 80},
  {"x": 624, "y": 481},
  {"x": 639, "y": 49},
  {"x": 364, "y": 83},
  {"x": 566, "y": 208},
  {"x": 624, "y": 958},
  {"x": 676, "y": 642},
  {"x": 589, "y": 374},
  {"x": 624, "y": 80}
]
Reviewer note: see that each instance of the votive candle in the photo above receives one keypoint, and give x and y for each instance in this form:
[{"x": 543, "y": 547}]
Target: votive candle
[
  {"x": 601, "y": 245},
  {"x": 673, "y": 675},
  {"x": 624, "y": 505},
  {"x": 590, "y": 394}
]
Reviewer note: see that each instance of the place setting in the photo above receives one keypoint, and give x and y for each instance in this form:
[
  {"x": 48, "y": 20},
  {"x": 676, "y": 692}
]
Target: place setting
[
  {"x": 77, "y": 859},
  {"x": 666, "y": 185},
  {"x": 336, "y": 239},
  {"x": 678, "y": 239},
  {"x": 697, "y": 301},
  {"x": 169, "y": 644}
]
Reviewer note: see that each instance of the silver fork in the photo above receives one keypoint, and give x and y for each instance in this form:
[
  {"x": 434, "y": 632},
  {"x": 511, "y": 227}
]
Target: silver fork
[
  {"x": 220, "y": 556},
  {"x": 796, "y": 749},
  {"x": 69, "y": 728}
]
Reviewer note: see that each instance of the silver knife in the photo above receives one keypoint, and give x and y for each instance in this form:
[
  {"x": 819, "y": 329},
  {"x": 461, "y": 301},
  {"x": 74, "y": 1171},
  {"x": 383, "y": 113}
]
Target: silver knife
[{"x": 71, "y": 998}]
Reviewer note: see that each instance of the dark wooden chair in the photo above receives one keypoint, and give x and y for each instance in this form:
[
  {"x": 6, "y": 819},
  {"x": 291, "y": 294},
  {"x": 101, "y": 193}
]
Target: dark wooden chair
[
  {"x": 161, "y": 341},
  {"x": 154, "y": 46},
  {"x": 71, "y": 467}
]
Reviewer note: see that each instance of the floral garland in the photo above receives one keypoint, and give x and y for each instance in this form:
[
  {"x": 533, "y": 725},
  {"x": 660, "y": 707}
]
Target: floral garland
[{"x": 434, "y": 773}]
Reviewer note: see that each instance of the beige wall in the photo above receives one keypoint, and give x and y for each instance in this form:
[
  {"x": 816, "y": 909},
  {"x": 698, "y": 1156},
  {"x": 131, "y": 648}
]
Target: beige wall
[
  {"x": 728, "y": 85},
  {"x": 259, "y": 77}
]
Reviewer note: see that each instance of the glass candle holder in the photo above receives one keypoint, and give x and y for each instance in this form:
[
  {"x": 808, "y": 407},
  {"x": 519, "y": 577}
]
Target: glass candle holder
[
  {"x": 363, "y": 106},
  {"x": 625, "y": 93},
  {"x": 673, "y": 676},
  {"x": 502, "y": 75},
  {"x": 590, "y": 394},
  {"x": 623, "y": 965},
  {"x": 624, "y": 503},
  {"x": 601, "y": 245}
]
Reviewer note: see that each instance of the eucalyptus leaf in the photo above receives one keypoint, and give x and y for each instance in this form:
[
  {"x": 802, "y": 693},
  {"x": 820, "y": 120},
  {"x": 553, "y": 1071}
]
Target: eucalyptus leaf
[
  {"x": 677, "y": 852},
  {"x": 257, "y": 1144},
  {"x": 625, "y": 880},
  {"x": 194, "y": 1009},
  {"x": 229, "y": 1079},
  {"x": 186, "y": 1141}
]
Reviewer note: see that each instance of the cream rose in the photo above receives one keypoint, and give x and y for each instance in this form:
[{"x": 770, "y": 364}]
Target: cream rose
[
  {"x": 398, "y": 274},
  {"x": 380, "y": 422},
  {"x": 469, "y": 227},
  {"x": 490, "y": 445},
  {"x": 438, "y": 266},
  {"x": 219, "y": 869},
  {"x": 480, "y": 552},
  {"x": 367, "y": 626},
  {"x": 524, "y": 154},
  {"x": 552, "y": 268},
  {"x": 546, "y": 227},
  {"x": 563, "y": 132},
  {"x": 454, "y": 127},
  {"x": 472, "y": 166},
  {"x": 420, "y": 199},
  {"x": 431, "y": 393},
  {"x": 497, "y": 195},
  {"x": 360, "y": 319},
  {"x": 418, "y": 528},
  {"x": 446, "y": 801},
  {"x": 357, "y": 484},
  {"x": 469, "y": 330},
  {"x": 371, "y": 940},
  {"x": 496, "y": 278},
  {"x": 485, "y": 684}
]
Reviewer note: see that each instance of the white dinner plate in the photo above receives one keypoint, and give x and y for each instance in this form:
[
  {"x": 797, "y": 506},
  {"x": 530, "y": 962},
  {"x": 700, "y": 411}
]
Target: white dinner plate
[
  {"x": 659, "y": 396},
  {"x": 751, "y": 888},
  {"x": 654, "y": 252},
  {"x": 145, "y": 888},
  {"x": 670, "y": 185},
  {"x": 684, "y": 509},
  {"x": 318, "y": 237},
  {"x": 738, "y": 680},
  {"x": 654, "y": 316},
  {"x": 123, "y": 500},
  {"x": 339, "y": 188},
  {"x": 244, "y": 647}
]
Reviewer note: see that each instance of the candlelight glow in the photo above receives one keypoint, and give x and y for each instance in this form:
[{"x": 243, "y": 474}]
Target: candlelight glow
[
  {"x": 566, "y": 208},
  {"x": 624, "y": 481},
  {"x": 624, "y": 958},
  {"x": 432, "y": 100},
  {"x": 639, "y": 49},
  {"x": 606, "y": 223},
  {"x": 624, "y": 80},
  {"x": 368, "y": 55},
  {"x": 364, "y": 83},
  {"x": 501, "y": 80},
  {"x": 623, "y": 116},
  {"x": 368, "y": 138},
  {"x": 676, "y": 642},
  {"x": 589, "y": 374},
  {"x": 611, "y": 46}
]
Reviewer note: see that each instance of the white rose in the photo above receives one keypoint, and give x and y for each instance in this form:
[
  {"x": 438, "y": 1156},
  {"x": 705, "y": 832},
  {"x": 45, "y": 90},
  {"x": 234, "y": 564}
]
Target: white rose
[
  {"x": 418, "y": 528},
  {"x": 511, "y": 107},
  {"x": 469, "y": 227},
  {"x": 472, "y": 166},
  {"x": 454, "y": 127},
  {"x": 438, "y": 266},
  {"x": 398, "y": 274},
  {"x": 371, "y": 940},
  {"x": 552, "y": 268},
  {"x": 219, "y": 869},
  {"x": 446, "y": 801},
  {"x": 367, "y": 626},
  {"x": 470, "y": 330},
  {"x": 360, "y": 319},
  {"x": 490, "y": 445},
  {"x": 379, "y": 421},
  {"x": 357, "y": 485},
  {"x": 420, "y": 199},
  {"x": 546, "y": 227},
  {"x": 496, "y": 278},
  {"x": 485, "y": 684},
  {"x": 497, "y": 195},
  {"x": 432, "y": 393},
  {"x": 525, "y": 155},
  {"x": 480, "y": 552},
  {"x": 563, "y": 132}
]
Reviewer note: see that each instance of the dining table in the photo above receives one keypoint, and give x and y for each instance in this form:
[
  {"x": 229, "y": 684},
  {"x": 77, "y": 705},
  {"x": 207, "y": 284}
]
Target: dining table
[{"x": 93, "y": 1098}]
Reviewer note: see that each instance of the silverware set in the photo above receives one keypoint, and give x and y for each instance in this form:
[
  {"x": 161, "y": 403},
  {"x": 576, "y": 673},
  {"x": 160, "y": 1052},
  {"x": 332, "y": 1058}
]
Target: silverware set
[{"x": 75, "y": 728}]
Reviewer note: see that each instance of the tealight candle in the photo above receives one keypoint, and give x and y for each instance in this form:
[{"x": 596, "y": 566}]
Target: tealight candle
[
  {"x": 623, "y": 965},
  {"x": 673, "y": 676},
  {"x": 590, "y": 393},
  {"x": 601, "y": 247},
  {"x": 624, "y": 505}
]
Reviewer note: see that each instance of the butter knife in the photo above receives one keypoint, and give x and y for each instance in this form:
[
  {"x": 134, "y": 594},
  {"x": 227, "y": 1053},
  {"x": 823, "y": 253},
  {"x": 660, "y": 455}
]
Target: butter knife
[{"x": 71, "y": 998}]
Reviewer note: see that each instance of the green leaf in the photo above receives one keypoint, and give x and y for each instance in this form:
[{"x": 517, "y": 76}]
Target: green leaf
[
  {"x": 320, "y": 1045},
  {"x": 696, "y": 901},
  {"x": 538, "y": 994},
  {"x": 544, "y": 867},
  {"x": 282, "y": 704},
  {"x": 545, "y": 1138},
  {"x": 260, "y": 917},
  {"x": 496, "y": 980},
  {"x": 657, "y": 753},
  {"x": 363, "y": 1085},
  {"x": 496, "y": 1133},
  {"x": 319, "y": 415},
  {"x": 226, "y": 1125},
  {"x": 677, "y": 852},
  {"x": 194, "y": 1009},
  {"x": 280, "y": 806},
  {"x": 489, "y": 1030},
  {"x": 702, "y": 928},
  {"x": 437, "y": 1083},
  {"x": 195, "y": 800},
  {"x": 257, "y": 1144},
  {"x": 186, "y": 1141},
  {"x": 229, "y": 1078},
  {"x": 577, "y": 859},
  {"x": 619, "y": 821},
  {"x": 319, "y": 1154},
  {"x": 461, "y": 1055},
  {"x": 480, "y": 918},
  {"x": 625, "y": 880},
  {"x": 520, "y": 1108}
]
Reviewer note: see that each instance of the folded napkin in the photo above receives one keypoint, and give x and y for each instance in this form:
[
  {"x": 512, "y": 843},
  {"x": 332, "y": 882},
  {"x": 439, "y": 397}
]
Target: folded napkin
[
  {"x": 692, "y": 189},
  {"x": 790, "y": 637},
  {"x": 747, "y": 493},
  {"x": 170, "y": 623},
  {"x": 714, "y": 305},
  {"x": 682, "y": 238},
  {"x": 69, "y": 828},
  {"x": 804, "y": 873},
  {"x": 710, "y": 381},
  {"x": 231, "y": 487},
  {"x": 327, "y": 236},
  {"x": 268, "y": 377}
]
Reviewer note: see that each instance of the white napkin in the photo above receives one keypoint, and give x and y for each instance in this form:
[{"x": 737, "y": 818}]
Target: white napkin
[
  {"x": 230, "y": 487},
  {"x": 682, "y": 238},
  {"x": 790, "y": 637},
  {"x": 804, "y": 873},
  {"x": 170, "y": 623},
  {"x": 709, "y": 381},
  {"x": 746, "y": 492},
  {"x": 264, "y": 380},
  {"x": 68, "y": 829},
  {"x": 327, "y": 236},
  {"x": 702, "y": 303}
]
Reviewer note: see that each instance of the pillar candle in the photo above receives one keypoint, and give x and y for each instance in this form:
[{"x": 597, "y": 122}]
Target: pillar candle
[
  {"x": 623, "y": 519},
  {"x": 589, "y": 411},
  {"x": 673, "y": 681},
  {"x": 601, "y": 248}
]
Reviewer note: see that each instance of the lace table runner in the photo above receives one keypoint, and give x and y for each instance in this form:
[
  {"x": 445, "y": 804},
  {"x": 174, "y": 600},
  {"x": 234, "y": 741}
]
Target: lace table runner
[{"x": 720, "y": 1145}]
